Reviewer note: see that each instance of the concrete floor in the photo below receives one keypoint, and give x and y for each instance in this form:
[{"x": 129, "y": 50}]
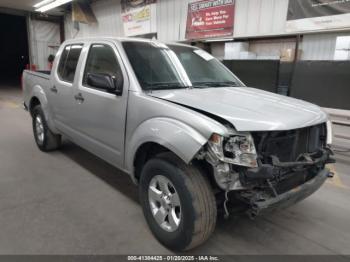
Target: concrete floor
[{"x": 70, "y": 202}]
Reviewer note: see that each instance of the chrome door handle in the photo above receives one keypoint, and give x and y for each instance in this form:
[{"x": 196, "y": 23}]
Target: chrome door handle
[
  {"x": 79, "y": 97},
  {"x": 54, "y": 89}
]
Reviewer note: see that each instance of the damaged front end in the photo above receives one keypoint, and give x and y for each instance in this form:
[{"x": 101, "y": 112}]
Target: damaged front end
[{"x": 272, "y": 169}]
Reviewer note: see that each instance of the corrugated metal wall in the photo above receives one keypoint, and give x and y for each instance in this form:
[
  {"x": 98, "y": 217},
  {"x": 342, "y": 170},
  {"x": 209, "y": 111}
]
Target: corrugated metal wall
[
  {"x": 44, "y": 41},
  {"x": 252, "y": 18},
  {"x": 320, "y": 46},
  {"x": 171, "y": 19},
  {"x": 260, "y": 17},
  {"x": 108, "y": 14}
]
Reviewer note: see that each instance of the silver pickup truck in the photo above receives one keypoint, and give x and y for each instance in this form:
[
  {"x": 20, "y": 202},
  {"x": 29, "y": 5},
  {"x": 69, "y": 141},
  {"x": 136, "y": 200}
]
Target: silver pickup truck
[{"x": 190, "y": 134}]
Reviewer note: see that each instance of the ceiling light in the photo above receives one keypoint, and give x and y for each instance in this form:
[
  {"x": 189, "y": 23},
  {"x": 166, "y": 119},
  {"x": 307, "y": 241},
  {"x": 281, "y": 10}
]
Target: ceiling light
[
  {"x": 42, "y": 3},
  {"x": 52, "y": 5},
  {"x": 219, "y": 40}
]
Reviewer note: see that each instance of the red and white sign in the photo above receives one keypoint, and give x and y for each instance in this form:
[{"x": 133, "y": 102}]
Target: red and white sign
[{"x": 210, "y": 19}]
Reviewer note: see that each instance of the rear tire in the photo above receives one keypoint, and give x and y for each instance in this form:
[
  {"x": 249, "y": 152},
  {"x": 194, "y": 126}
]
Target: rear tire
[
  {"x": 45, "y": 139},
  {"x": 197, "y": 206}
]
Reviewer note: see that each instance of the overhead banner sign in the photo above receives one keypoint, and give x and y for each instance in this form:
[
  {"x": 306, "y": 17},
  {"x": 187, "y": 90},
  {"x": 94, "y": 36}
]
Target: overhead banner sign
[
  {"x": 315, "y": 15},
  {"x": 210, "y": 19},
  {"x": 139, "y": 17}
]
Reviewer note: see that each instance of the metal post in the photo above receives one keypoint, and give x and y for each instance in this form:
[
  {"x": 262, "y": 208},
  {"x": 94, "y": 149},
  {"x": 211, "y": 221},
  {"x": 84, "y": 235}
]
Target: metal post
[{"x": 296, "y": 56}]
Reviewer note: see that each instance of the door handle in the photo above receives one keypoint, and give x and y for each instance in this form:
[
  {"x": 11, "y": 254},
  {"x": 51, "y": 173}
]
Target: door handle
[
  {"x": 79, "y": 97},
  {"x": 53, "y": 89}
]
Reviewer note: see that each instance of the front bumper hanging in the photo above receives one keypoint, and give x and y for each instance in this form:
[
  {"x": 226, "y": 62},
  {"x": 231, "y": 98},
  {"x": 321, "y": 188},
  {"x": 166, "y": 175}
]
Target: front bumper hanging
[{"x": 290, "y": 197}]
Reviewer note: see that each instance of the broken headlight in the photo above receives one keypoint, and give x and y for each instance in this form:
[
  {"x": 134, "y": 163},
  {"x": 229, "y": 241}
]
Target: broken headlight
[{"x": 237, "y": 149}]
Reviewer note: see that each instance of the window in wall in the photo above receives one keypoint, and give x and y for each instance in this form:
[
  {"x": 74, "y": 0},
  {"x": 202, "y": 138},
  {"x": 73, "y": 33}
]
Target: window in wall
[{"x": 342, "y": 48}]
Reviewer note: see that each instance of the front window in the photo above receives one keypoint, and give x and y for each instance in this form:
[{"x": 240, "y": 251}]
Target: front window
[
  {"x": 102, "y": 60},
  {"x": 158, "y": 66}
]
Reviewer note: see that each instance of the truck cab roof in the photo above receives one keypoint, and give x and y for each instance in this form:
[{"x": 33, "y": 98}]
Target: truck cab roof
[{"x": 118, "y": 39}]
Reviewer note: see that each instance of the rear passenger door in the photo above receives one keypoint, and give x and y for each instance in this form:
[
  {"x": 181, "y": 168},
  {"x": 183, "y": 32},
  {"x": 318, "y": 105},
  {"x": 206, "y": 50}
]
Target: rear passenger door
[
  {"x": 61, "y": 91},
  {"x": 100, "y": 116}
]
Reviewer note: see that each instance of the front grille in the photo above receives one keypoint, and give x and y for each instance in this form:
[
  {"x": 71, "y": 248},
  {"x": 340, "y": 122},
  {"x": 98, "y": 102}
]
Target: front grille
[{"x": 289, "y": 145}]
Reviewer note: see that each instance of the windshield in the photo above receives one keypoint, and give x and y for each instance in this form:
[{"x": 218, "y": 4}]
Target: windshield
[{"x": 159, "y": 66}]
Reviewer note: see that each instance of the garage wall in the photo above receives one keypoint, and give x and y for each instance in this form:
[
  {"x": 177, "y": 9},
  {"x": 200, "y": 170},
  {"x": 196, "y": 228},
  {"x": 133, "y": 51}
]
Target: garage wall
[
  {"x": 253, "y": 18},
  {"x": 44, "y": 41},
  {"x": 108, "y": 15},
  {"x": 171, "y": 19},
  {"x": 320, "y": 46},
  {"x": 260, "y": 17},
  {"x": 271, "y": 48}
]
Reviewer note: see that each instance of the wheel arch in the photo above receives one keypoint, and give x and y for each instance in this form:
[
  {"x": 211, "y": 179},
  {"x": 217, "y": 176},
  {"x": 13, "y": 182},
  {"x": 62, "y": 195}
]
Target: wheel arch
[
  {"x": 39, "y": 97},
  {"x": 145, "y": 152},
  {"x": 34, "y": 101},
  {"x": 159, "y": 135}
]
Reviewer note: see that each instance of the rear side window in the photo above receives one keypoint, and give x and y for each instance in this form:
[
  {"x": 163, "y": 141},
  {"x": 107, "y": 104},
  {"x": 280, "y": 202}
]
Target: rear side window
[
  {"x": 69, "y": 61},
  {"x": 63, "y": 60}
]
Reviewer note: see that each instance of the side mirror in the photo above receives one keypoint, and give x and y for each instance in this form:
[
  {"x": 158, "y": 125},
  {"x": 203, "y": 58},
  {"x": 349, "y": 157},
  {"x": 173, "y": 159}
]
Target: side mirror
[{"x": 106, "y": 82}]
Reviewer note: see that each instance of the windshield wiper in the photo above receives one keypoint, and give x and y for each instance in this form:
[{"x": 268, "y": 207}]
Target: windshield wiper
[
  {"x": 162, "y": 86},
  {"x": 214, "y": 84}
]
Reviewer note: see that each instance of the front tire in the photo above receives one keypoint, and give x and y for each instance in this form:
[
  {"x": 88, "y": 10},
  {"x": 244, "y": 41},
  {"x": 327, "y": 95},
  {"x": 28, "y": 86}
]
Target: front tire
[
  {"x": 178, "y": 202},
  {"x": 45, "y": 139}
]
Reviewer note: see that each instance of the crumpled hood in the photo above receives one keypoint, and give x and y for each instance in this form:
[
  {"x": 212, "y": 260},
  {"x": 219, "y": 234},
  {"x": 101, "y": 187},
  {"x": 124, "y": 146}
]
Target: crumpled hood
[{"x": 248, "y": 109}]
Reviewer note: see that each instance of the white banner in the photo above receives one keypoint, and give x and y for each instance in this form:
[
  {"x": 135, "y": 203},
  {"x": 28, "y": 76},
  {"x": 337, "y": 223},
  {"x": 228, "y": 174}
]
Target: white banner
[
  {"x": 319, "y": 23},
  {"x": 316, "y": 15},
  {"x": 140, "y": 20}
]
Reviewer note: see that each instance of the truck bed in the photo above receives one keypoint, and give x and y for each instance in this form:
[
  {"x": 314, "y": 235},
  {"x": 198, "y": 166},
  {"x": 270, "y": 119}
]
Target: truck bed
[
  {"x": 41, "y": 73},
  {"x": 33, "y": 81}
]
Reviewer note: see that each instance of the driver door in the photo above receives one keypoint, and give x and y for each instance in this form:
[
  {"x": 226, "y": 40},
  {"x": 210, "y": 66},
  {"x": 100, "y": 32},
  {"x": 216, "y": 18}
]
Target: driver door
[{"x": 100, "y": 116}]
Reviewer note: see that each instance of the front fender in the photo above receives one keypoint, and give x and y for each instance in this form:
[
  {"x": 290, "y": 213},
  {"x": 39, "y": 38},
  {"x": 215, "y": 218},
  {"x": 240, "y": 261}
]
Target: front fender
[{"x": 181, "y": 139}]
